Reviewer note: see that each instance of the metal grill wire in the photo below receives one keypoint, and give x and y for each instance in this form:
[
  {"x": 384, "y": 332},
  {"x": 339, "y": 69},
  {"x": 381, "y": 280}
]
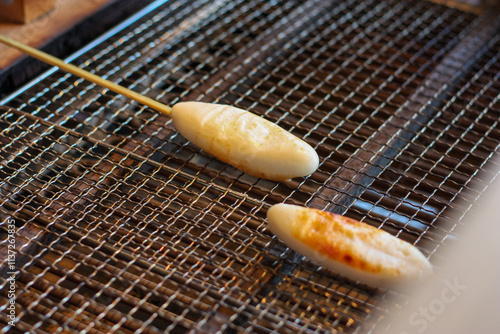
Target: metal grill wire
[{"x": 124, "y": 226}]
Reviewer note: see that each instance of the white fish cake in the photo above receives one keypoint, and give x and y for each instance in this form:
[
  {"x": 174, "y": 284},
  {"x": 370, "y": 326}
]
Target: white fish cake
[
  {"x": 348, "y": 247},
  {"x": 244, "y": 140}
]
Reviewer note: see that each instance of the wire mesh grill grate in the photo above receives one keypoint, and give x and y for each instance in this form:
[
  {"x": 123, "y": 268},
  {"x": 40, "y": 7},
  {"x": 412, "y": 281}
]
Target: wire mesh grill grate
[{"x": 124, "y": 226}]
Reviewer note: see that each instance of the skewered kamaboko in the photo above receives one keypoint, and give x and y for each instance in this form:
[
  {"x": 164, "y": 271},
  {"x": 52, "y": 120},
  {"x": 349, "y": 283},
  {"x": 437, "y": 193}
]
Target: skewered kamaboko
[
  {"x": 244, "y": 140},
  {"x": 348, "y": 247},
  {"x": 238, "y": 137}
]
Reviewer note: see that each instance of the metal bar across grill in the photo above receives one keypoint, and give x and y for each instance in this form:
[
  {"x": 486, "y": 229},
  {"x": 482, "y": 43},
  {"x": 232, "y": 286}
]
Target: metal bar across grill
[{"x": 123, "y": 226}]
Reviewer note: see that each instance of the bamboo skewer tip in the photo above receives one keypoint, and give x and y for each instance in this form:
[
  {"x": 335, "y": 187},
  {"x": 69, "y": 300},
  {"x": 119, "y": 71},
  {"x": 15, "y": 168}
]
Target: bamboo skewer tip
[{"x": 45, "y": 57}]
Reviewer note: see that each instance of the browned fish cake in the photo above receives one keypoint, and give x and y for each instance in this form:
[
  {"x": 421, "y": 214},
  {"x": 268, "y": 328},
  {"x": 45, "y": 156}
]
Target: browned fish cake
[{"x": 347, "y": 246}]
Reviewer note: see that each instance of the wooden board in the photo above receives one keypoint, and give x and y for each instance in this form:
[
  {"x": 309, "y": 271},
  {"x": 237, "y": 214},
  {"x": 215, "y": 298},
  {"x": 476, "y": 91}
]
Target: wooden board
[
  {"x": 37, "y": 33},
  {"x": 24, "y": 11}
]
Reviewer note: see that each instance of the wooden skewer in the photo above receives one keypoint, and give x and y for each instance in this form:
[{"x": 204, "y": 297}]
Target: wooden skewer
[{"x": 45, "y": 57}]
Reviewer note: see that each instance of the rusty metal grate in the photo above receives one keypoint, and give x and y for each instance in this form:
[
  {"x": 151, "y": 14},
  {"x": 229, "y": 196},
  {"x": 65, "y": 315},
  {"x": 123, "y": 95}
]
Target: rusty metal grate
[{"x": 123, "y": 226}]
